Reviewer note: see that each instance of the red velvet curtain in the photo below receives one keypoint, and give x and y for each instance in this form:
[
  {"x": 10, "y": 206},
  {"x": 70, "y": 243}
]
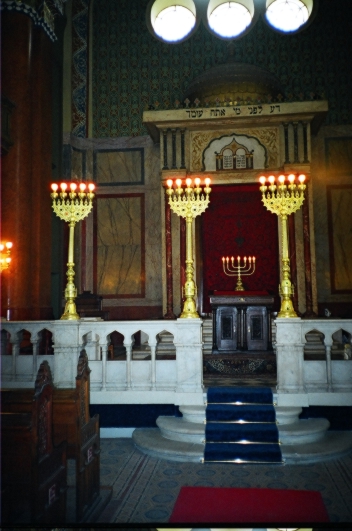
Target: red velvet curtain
[{"x": 236, "y": 223}]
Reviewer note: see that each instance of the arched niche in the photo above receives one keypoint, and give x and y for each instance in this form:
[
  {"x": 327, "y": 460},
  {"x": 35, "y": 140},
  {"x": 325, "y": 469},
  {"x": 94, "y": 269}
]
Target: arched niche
[
  {"x": 165, "y": 347},
  {"x": 314, "y": 347},
  {"x": 140, "y": 348}
]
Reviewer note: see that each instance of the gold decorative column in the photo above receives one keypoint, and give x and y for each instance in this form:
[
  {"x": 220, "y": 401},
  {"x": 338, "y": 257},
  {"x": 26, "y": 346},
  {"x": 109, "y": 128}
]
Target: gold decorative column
[
  {"x": 283, "y": 200},
  {"x": 71, "y": 210},
  {"x": 189, "y": 203}
]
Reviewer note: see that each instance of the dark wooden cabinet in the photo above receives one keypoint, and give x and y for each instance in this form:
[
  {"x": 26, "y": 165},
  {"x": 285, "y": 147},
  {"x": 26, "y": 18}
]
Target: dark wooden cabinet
[{"x": 241, "y": 321}]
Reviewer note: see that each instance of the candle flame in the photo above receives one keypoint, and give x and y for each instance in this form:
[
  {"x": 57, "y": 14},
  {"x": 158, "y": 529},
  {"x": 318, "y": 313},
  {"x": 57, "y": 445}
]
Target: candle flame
[
  {"x": 188, "y": 182},
  {"x": 73, "y": 186},
  {"x": 178, "y": 182},
  {"x": 271, "y": 179},
  {"x": 169, "y": 183},
  {"x": 262, "y": 180},
  {"x": 197, "y": 181},
  {"x": 91, "y": 187},
  {"x": 54, "y": 187},
  {"x": 301, "y": 178},
  {"x": 82, "y": 187},
  {"x": 281, "y": 179},
  {"x": 291, "y": 178},
  {"x": 63, "y": 186},
  {"x": 207, "y": 181},
  {"x": 9, "y": 245}
]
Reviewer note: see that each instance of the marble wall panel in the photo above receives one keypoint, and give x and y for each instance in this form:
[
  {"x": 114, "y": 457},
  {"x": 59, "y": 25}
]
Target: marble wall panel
[
  {"x": 322, "y": 176},
  {"x": 339, "y": 155},
  {"x": 120, "y": 245},
  {"x": 116, "y": 158},
  {"x": 340, "y": 237},
  {"x": 119, "y": 166}
]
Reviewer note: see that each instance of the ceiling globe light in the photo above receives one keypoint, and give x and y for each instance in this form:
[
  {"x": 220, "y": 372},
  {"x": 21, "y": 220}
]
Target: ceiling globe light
[
  {"x": 288, "y": 15},
  {"x": 174, "y": 23},
  {"x": 229, "y": 19}
]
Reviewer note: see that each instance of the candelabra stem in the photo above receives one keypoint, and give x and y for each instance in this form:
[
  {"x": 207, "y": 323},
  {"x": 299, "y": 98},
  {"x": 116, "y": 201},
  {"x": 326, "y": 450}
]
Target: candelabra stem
[
  {"x": 70, "y": 312},
  {"x": 239, "y": 285},
  {"x": 189, "y": 306},
  {"x": 286, "y": 289}
]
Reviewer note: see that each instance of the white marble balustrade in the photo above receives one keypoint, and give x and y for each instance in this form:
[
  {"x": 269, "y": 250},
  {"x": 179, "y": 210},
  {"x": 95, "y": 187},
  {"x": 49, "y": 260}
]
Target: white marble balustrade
[
  {"x": 176, "y": 381},
  {"x": 311, "y": 382}
]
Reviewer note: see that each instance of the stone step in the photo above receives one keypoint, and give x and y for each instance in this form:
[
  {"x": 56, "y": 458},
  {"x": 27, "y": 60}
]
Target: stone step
[
  {"x": 303, "y": 431},
  {"x": 287, "y": 415},
  {"x": 181, "y": 438},
  {"x": 193, "y": 413},
  {"x": 335, "y": 444},
  {"x": 151, "y": 442},
  {"x": 177, "y": 429}
]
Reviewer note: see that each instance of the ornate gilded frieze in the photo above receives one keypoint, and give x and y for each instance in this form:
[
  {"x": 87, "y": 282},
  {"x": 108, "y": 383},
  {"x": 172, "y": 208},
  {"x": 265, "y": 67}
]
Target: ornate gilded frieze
[{"x": 268, "y": 138}]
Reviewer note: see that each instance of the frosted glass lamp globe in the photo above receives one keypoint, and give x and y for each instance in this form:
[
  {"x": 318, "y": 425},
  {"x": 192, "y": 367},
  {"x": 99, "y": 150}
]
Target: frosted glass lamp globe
[
  {"x": 287, "y": 15},
  {"x": 174, "y": 23},
  {"x": 229, "y": 19}
]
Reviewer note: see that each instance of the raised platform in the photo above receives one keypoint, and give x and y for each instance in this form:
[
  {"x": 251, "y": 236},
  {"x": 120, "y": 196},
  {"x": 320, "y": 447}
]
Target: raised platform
[{"x": 302, "y": 441}]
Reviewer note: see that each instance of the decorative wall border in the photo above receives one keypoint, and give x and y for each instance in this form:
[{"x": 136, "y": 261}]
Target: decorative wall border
[
  {"x": 80, "y": 37},
  {"x": 43, "y": 18},
  {"x": 95, "y": 246}
]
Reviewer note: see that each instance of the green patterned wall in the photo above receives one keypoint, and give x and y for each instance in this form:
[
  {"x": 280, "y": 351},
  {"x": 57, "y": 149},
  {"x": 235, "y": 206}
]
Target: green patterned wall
[{"x": 132, "y": 70}]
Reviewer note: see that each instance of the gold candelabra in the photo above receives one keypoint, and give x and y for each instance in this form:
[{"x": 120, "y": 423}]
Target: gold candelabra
[
  {"x": 71, "y": 207},
  {"x": 5, "y": 258},
  {"x": 232, "y": 269},
  {"x": 189, "y": 203},
  {"x": 283, "y": 200}
]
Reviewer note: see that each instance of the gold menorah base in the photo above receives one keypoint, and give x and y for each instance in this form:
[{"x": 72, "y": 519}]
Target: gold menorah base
[
  {"x": 70, "y": 312},
  {"x": 239, "y": 285},
  {"x": 286, "y": 292}
]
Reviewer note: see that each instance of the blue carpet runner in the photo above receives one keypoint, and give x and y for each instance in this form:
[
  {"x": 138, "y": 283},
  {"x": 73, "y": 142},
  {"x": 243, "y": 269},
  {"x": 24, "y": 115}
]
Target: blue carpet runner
[{"x": 241, "y": 426}]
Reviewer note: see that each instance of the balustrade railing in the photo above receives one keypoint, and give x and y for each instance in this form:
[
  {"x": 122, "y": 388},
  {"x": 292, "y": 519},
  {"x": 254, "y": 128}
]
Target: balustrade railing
[
  {"x": 330, "y": 373},
  {"x": 179, "y": 372},
  {"x": 141, "y": 375}
]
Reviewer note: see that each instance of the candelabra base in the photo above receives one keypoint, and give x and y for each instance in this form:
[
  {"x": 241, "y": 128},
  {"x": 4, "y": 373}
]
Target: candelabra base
[
  {"x": 70, "y": 312},
  {"x": 189, "y": 310},
  {"x": 287, "y": 309}
]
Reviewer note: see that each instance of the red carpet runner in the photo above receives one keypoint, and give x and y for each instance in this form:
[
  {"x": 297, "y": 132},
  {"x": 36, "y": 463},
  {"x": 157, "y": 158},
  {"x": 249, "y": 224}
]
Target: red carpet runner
[{"x": 227, "y": 505}]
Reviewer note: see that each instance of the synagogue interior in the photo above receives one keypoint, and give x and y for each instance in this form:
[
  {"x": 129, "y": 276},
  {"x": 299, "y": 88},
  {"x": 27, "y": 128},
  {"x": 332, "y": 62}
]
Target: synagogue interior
[{"x": 176, "y": 256}]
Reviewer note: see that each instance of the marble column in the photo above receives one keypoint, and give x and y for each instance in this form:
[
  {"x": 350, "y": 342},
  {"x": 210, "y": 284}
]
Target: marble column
[
  {"x": 307, "y": 257},
  {"x": 26, "y": 169},
  {"x": 182, "y": 257},
  {"x": 169, "y": 277},
  {"x": 293, "y": 259}
]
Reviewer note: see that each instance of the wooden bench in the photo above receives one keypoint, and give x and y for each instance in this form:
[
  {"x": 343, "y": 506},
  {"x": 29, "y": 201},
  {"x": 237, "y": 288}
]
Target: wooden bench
[
  {"x": 34, "y": 474},
  {"x": 71, "y": 423}
]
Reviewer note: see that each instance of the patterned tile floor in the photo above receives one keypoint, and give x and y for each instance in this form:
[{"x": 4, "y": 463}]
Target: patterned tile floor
[{"x": 145, "y": 489}]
